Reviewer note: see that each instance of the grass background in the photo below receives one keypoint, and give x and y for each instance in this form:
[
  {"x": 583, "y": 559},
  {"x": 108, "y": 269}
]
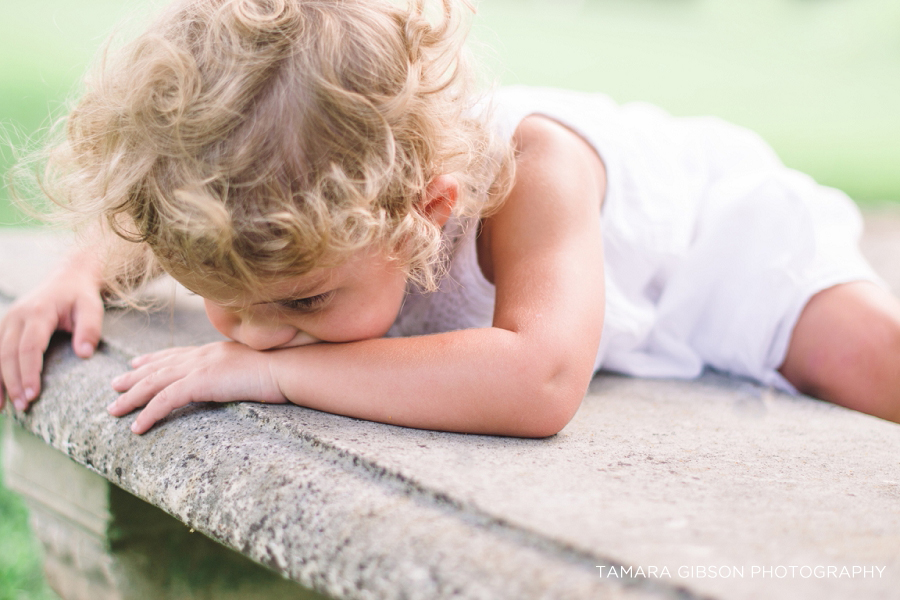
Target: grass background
[
  {"x": 21, "y": 573},
  {"x": 819, "y": 79}
]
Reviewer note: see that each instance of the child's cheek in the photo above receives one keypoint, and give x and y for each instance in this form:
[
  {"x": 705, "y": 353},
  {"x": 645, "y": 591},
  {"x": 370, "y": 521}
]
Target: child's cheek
[
  {"x": 351, "y": 326},
  {"x": 224, "y": 321},
  {"x": 375, "y": 324}
]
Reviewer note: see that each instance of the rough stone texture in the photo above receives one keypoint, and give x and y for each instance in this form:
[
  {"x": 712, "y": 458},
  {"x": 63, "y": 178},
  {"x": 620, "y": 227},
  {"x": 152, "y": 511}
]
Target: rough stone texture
[
  {"x": 102, "y": 543},
  {"x": 716, "y": 473}
]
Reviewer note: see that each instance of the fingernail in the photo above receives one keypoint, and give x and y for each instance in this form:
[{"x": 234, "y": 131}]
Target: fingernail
[
  {"x": 87, "y": 349},
  {"x": 20, "y": 404},
  {"x": 30, "y": 394},
  {"x": 134, "y": 427},
  {"x": 116, "y": 380},
  {"x": 111, "y": 405}
]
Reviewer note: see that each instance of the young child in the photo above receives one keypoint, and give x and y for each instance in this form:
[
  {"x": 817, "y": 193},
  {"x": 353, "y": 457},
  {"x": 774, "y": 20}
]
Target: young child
[{"x": 378, "y": 242}]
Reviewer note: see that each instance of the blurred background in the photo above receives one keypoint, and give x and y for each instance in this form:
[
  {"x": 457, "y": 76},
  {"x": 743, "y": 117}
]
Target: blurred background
[{"x": 819, "y": 79}]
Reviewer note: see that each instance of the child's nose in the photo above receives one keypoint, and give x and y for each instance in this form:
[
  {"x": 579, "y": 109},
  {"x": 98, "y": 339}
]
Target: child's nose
[{"x": 265, "y": 336}]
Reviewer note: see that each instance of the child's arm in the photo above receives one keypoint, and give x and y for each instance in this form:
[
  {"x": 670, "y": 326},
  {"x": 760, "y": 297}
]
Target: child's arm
[{"x": 524, "y": 376}]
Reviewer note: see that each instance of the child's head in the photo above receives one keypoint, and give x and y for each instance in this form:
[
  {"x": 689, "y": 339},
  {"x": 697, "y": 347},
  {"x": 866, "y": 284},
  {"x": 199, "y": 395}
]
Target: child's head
[{"x": 246, "y": 140}]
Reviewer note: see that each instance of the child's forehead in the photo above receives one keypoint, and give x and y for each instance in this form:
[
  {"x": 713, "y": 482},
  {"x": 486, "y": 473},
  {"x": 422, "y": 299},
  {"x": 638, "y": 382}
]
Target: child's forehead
[
  {"x": 362, "y": 266},
  {"x": 266, "y": 289}
]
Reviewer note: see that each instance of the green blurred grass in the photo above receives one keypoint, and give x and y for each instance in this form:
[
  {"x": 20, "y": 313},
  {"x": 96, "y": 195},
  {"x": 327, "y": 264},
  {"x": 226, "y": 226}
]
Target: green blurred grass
[
  {"x": 819, "y": 79},
  {"x": 21, "y": 575},
  {"x": 45, "y": 47}
]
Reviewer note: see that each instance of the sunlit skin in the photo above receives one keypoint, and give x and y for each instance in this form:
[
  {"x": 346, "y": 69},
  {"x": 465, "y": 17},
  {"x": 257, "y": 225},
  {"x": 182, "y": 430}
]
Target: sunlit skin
[
  {"x": 521, "y": 376},
  {"x": 525, "y": 375},
  {"x": 357, "y": 300}
]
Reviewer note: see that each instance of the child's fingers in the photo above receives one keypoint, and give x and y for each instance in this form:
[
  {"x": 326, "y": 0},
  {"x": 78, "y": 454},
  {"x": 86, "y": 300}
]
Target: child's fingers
[
  {"x": 88, "y": 324},
  {"x": 167, "y": 359},
  {"x": 9, "y": 363},
  {"x": 144, "y": 359},
  {"x": 32, "y": 346},
  {"x": 122, "y": 383},
  {"x": 2, "y": 387},
  {"x": 173, "y": 397},
  {"x": 142, "y": 387}
]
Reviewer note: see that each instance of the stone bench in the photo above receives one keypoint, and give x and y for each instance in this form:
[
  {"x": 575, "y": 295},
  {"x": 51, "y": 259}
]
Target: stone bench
[{"x": 656, "y": 489}]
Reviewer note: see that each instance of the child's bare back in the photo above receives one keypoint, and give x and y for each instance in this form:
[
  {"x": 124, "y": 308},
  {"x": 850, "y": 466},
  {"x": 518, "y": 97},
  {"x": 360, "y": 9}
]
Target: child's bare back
[{"x": 376, "y": 243}]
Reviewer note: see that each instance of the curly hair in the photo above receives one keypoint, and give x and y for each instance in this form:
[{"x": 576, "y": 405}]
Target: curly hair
[{"x": 244, "y": 140}]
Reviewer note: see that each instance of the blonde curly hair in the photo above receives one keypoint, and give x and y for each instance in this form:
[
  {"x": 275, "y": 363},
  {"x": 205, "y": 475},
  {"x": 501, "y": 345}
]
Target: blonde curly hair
[{"x": 245, "y": 140}]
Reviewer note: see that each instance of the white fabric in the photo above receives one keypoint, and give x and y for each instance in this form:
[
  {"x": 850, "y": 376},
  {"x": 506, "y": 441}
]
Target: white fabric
[{"x": 711, "y": 246}]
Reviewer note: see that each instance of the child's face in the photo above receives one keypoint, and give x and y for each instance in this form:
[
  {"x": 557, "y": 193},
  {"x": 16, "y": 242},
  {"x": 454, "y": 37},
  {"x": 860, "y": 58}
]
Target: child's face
[{"x": 357, "y": 300}]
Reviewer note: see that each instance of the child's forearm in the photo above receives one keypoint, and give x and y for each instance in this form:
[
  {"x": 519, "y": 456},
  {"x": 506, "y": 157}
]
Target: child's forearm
[
  {"x": 82, "y": 261},
  {"x": 493, "y": 380},
  {"x": 488, "y": 380}
]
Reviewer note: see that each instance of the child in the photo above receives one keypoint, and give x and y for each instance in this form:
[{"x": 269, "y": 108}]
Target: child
[{"x": 319, "y": 172}]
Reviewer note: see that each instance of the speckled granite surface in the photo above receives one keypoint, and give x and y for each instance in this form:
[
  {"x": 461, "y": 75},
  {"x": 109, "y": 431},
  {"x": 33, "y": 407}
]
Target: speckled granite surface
[{"x": 698, "y": 478}]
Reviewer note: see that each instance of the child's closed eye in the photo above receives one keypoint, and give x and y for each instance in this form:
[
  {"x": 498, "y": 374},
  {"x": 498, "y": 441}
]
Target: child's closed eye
[{"x": 309, "y": 304}]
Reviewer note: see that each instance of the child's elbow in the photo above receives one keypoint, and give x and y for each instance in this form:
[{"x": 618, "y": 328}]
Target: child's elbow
[
  {"x": 548, "y": 390},
  {"x": 548, "y": 425},
  {"x": 554, "y": 408}
]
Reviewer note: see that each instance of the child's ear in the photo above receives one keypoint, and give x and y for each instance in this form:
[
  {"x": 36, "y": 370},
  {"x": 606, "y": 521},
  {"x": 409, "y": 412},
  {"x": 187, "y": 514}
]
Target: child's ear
[{"x": 440, "y": 197}]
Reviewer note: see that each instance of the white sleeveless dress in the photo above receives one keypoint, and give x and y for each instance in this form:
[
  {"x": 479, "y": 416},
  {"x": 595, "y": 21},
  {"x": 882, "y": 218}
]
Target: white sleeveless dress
[{"x": 712, "y": 247}]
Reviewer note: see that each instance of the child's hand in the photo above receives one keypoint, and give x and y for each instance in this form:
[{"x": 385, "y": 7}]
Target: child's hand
[
  {"x": 68, "y": 300},
  {"x": 170, "y": 379}
]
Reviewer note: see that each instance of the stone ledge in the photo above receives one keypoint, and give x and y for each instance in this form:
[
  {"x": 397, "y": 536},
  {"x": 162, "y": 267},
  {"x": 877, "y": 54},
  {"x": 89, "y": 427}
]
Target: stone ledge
[
  {"x": 717, "y": 472},
  {"x": 102, "y": 543}
]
